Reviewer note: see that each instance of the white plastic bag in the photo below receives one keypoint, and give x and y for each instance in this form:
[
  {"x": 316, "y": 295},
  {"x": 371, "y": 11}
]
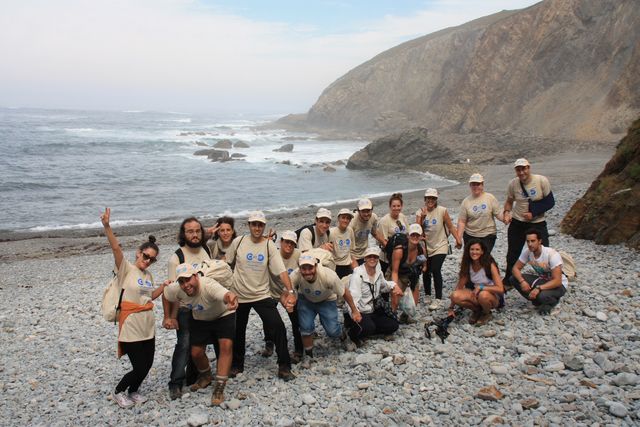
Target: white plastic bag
[{"x": 407, "y": 304}]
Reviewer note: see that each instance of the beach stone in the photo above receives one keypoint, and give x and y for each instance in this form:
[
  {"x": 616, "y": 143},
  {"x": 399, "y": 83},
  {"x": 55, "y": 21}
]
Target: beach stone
[
  {"x": 517, "y": 408},
  {"x": 530, "y": 403},
  {"x": 329, "y": 169},
  {"x": 286, "y": 148},
  {"x": 573, "y": 364},
  {"x": 554, "y": 366},
  {"x": 625, "y": 379},
  {"x": 367, "y": 359},
  {"x": 198, "y": 419},
  {"x": 286, "y": 422},
  {"x": 364, "y": 386},
  {"x": 368, "y": 411},
  {"x": 499, "y": 369},
  {"x": 223, "y": 143},
  {"x": 589, "y": 312},
  {"x": 234, "y": 404},
  {"x": 308, "y": 399},
  {"x": 399, "y": 359},
  {"x": 218, "y": 156},
  {"x": 489, "y": 333},
  {"x": 493, "y": 419},
  {"x": 602, "y": 316},
  {"x": 240, "y": 144},
  {"x": 238, "y": 155},
  {"x": 603, "y": 362},
  {"x": 618, "y": 409},
  {"x": 592, "y": 371},
  {"x": 533, "y": 360},
  {"x": 490, "y": 393}
]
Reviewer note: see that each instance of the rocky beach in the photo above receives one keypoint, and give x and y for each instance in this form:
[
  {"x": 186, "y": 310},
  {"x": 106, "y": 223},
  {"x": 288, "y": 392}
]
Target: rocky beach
[{"x": 578, "y": 366}]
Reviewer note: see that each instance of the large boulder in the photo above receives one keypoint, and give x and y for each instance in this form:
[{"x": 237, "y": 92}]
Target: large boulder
[
  {"x": 219, "y": 156},
  {"x": 223, "y": 143},
  {"x": 286, "y": 148},
  {"x": 240, "y": 144},
  {"x": 609, "y": 212}
]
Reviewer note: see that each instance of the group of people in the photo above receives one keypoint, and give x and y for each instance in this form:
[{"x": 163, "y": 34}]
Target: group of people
[{"x": 362, "y": 266}]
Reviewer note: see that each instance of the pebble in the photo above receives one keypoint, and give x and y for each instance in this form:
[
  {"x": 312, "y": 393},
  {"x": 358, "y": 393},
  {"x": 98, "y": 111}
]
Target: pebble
[
  {"x": 618, "y": 409},
  {"x": 363, "y": 386},
  {"x": 573, "y": 364},
  {"x": 554, "y": 366},
  {"x": 500, "y": 369},
  {"x": 198, "y": 419},
  {"x": 489, "y": 333},
  {"x": 308, "y": 399},
  {"x": 399, "y": 359},
  {"x": 602, "y": 316},
  {"x": 233, "y": 404},
  {"x": 589, "y": 313},
  {"x": 625, "y": 379},
  {"x": 490, "y": 393},
  {"x": 530, "y": 403}
]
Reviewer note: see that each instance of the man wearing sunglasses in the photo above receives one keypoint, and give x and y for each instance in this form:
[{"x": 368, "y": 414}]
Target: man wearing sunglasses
[
  {"x": 214, "y": 318},
  {"x": 317, "y": 236},
  {"x": 192, "y": 250},
  {"x": 256, "y": 258}
]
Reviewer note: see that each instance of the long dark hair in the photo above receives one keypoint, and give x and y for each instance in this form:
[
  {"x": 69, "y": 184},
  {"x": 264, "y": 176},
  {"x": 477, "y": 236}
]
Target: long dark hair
[
  {"x": 226, "y": 220},
  {"x": 182, "y": 237},
  {"x": 151, "y": 243},
  {"x": 486, "y": 260}
]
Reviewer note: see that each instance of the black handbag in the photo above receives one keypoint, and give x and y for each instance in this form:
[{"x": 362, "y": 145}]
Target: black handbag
[{"x": 538, "y": 207}]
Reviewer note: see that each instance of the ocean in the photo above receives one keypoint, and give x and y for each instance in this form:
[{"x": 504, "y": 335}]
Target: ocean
[{"x": 60, "y": 168}]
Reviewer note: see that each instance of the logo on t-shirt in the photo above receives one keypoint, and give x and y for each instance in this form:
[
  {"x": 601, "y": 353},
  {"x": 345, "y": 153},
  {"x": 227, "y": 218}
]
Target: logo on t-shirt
[
  {"x": 434, "y": 221},
  {"x": 475, "y": 208},
  {"x": 348, "y": 242},
  {"x": 340, "y": 242},
  {"x": 197, "y": 307},
  {"x": 532, "y": 192},
  {"x": 318, "y": 293},
  {"x": 145, "y": 284},
  {"x": 484, "y": 206},
  {"x": 290, "y": 270},
  {"x": 260, "y": 257}
]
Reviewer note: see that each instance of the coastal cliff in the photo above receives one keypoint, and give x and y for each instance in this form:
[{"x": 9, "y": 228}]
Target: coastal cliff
[
  {"x": 609, "y": 212},
  {"x": 558, "y": 69}
]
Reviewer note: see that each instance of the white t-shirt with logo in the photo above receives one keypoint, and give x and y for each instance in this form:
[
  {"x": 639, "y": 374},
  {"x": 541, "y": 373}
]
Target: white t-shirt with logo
[
  {"x": 479, "y": 214},
  {"x": 542, "y": 266},
  {"x": 207, "y": 304},
  {"x": 326, "y": 286},
  {"x": 343, "y": 245}
]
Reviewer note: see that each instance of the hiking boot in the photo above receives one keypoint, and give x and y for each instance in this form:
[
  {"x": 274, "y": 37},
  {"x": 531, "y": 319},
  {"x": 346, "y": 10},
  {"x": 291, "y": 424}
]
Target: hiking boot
[
  {"x": 296, "y": 357},
  {"x": 234, "y": 371},
  {"x": 284, "y": 373},
  {"x": 306, "y": 362},
  {"x": 473, "y": 319},
  {"x": 175, "y": 392},
  {"x": 389, "y": 337},
  {"x": 349, "y": 345},
  {"x": 484, "y": 319},
  {"x": 544, "y": 309},
  {"x": 267, "y": 351},
  {"x": 137, "y": 397},
  {"x": 204, "y": 379},
  {"x": 122, "y": 399},
  {"x": 217, "y": 397}
]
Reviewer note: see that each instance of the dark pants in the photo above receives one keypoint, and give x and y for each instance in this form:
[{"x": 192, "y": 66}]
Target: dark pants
[
  {"x": 489, "y": 241},
  {"x": 141, "y": 356},
  {"x": 268, "y": 312},
  {"x": 548, "y": 298},
  {"x": 434, "y": 267},
  {"x": 295, "y": 328},
  {"x": 517, "y": 238},
  {"x": 384, "y": 266},
  {"x": 371, "y": 324},
  {"x": 360, "y": 261},
  {"x": 343, "y": 270},
  {"x": 181, "y": 359}
]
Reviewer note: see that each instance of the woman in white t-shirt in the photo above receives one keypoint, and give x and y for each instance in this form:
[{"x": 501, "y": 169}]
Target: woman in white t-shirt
[
  {"x": 222, "y": 234},
  {"x": 479, "y": 284},
  {"x": 136, "y": 322}
]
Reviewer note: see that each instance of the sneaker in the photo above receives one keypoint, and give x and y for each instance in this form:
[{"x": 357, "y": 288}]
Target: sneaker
[
  {"x": 137, "y": 397},
  {"x": 284, "y": 373},
  {"x": 234, "y": 371},
  {"x": 295, "y": 357},
  {"x": 204, "y": 379},
  {"x": 306, "y": 362},
  {"x": 358, "y": 342},
  {"x": 175, "y": 392},
  {"x": 217, "y": 397},
  {"x": 122, "y": 399},
  {"x": 484, "y": 319},
  {"x": 389, "y": 337},
  {"x": 544, "y": 309},
  {"x": 473, "y": 319},
  {"x": 436, "y": 304},
  {"x": 349, "y": 345},
  {"x": 267, "y": 351}
]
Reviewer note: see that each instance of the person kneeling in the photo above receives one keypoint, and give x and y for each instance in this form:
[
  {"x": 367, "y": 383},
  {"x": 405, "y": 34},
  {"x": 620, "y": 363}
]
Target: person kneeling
[
  {"x": 479, "y": 285},
  {"x": 214, "y": 318},
  {"x": 318, "y": 288},
  {"x": 372, "y": 314},
  {"x": 537, "y": 274}
]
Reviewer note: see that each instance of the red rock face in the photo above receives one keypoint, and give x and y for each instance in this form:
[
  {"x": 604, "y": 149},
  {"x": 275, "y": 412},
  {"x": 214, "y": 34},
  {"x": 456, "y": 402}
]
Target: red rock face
[{"x": 609, "y": 212}]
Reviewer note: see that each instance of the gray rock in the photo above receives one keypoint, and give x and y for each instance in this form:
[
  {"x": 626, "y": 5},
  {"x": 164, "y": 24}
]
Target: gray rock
[
  {"x": 554, "y": 366},
  {"x": 592, "y": 370},
  {"x": 625, "y": 379},
  {"x": 573, "y": 364},
  {"x": 589, "y": 313},
  {"x": 218, "y": 156},
  {"x": 286, "y": 148},
  {"x": 198, "y": 419},
  {"x": 240, "y": 144},
  {"x": 601, "y": 316},
  {"x": 399, "y": 359},
  {"x": 223, "y": 143},
  {"x": 368, "y": 359},
  {"x": 618, "y": 409},
  {"x": 286, "y": 422},
  {"x": 234, "y": 404},
  {"x": 499, "y": 369},
  {"x": 308, "y": 399},
  {"x": 238, "y": 155}
]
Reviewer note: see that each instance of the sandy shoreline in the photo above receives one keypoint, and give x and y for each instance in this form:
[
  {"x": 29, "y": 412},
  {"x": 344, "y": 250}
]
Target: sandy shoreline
[{"x": 566, "y": 168}]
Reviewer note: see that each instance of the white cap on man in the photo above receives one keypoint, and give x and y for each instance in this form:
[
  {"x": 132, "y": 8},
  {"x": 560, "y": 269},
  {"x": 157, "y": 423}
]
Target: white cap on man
[
  {"x": 185, "y": 270},
  {"x": 289, "y": 235},
  {"x": 431, "y": 192},
  {"x": 521, "y": 162},
  {"x": 345, "y": 211},
  {"x": 415, "y": 229},
  {"x": 257, "y": 216},
  {"x": 307, "y": 260},
  {"x": 323, "y": 213},
  {"x": 364, "y": 204}
]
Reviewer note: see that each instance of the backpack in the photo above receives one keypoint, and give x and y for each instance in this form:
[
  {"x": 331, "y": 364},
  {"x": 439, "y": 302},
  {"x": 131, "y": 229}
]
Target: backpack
[
  {"x": 217, "y": 270},
  {"x": 111, "y": 299},
  {"x": 398, "y": 239},
  {"x": 568, "y": 266},
  {"x": 180, "y": 254},
  {"x": 323, "y": 256},
  {"x": 313, "y": 234}
]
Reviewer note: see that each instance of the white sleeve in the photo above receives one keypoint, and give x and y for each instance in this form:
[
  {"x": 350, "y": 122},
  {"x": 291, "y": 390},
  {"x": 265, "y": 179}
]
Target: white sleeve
[
  {"x": 524, "y": 255},
  {"x": 304, "y": 241},
  {"x": 554, "y": 259}
]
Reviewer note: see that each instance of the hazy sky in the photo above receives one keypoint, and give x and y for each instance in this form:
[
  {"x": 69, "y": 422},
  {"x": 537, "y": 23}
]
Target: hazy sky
[{"x": 203, "y": 55}]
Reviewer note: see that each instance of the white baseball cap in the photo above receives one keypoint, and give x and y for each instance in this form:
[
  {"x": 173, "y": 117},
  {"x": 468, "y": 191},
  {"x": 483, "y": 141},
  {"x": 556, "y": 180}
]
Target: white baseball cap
[
  {"x": 345, "y": 211},
  {"x": 257, "y": 216},
  {"x": 372, "y": 250},
  {"x": 521, "y": 162},
  {"x": 185, "y": 270},
  {"x": 323, "y": 213},
  {"x": 476, "y": 177},
  {"x": 415, "y": 228},
  {"x": 364, "y": 204},
  {"x": 307, "y": 260},
  {"x": 431, "y": 192},
  {"x": 290, "y": 236}
]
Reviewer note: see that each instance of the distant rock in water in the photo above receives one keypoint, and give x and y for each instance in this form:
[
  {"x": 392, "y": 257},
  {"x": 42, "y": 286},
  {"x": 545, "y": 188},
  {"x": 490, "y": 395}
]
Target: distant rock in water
[
  {"x": 609, "y": 212},
  {"x": 238, "y": 155},
  {"x": 223, "y": 143},
  {"x": 219, "y": 156},
  {"x": 201, "y": 144},
  {"x": 409, "y": 148},
  {"x": 329, "y": 169},
  {"x": 240, "y": 144},
  {"x": 204, "y": 152},
  {"x": 286, "y": 148}
]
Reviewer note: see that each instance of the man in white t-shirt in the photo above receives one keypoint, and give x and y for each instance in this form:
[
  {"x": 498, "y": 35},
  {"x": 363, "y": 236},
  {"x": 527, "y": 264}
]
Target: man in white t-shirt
[
  {"x": 537, "y": 274},
  {"x": 364, "y": 224},
  {"x": 317, "y": 236},
  {"x": 213, "y": 307}
]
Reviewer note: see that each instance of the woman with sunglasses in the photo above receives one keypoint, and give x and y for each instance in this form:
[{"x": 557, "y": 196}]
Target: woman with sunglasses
[
  {"x": 222, "y": 234},
  {"x": 393, "y": 222},
  {"x": 136, "y": 322}
]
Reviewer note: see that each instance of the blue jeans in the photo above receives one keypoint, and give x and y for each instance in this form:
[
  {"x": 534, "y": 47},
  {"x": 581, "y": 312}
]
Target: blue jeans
[
  {"x": 328, "y": 312},
  {"x": 181, "y": 360}
]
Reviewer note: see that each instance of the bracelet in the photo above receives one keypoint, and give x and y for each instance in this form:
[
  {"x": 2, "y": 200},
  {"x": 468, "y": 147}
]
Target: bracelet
[{"x": 481, "y": 287}]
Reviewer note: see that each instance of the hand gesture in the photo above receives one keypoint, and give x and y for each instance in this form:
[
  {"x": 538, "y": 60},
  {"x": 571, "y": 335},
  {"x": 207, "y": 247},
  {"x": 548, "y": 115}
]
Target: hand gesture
[
  {"x": 105, "y": 217},
  {"x": 356, "y": 316},
  {"x": 211, "y": 231},
  {"x": 397, "y": 291},
  {"x": 534, "y": 294},
  {"x": 169, "y": 323},
  {"x": 327, "y": 246},
  {"x": 290, "y": 302},
  {"x": 231, "y": 300},
  {"x": 528, "y": 216}
]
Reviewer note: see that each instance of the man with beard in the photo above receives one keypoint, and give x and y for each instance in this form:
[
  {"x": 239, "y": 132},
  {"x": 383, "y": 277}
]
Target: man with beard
[{"x": 193, "y": 250}]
